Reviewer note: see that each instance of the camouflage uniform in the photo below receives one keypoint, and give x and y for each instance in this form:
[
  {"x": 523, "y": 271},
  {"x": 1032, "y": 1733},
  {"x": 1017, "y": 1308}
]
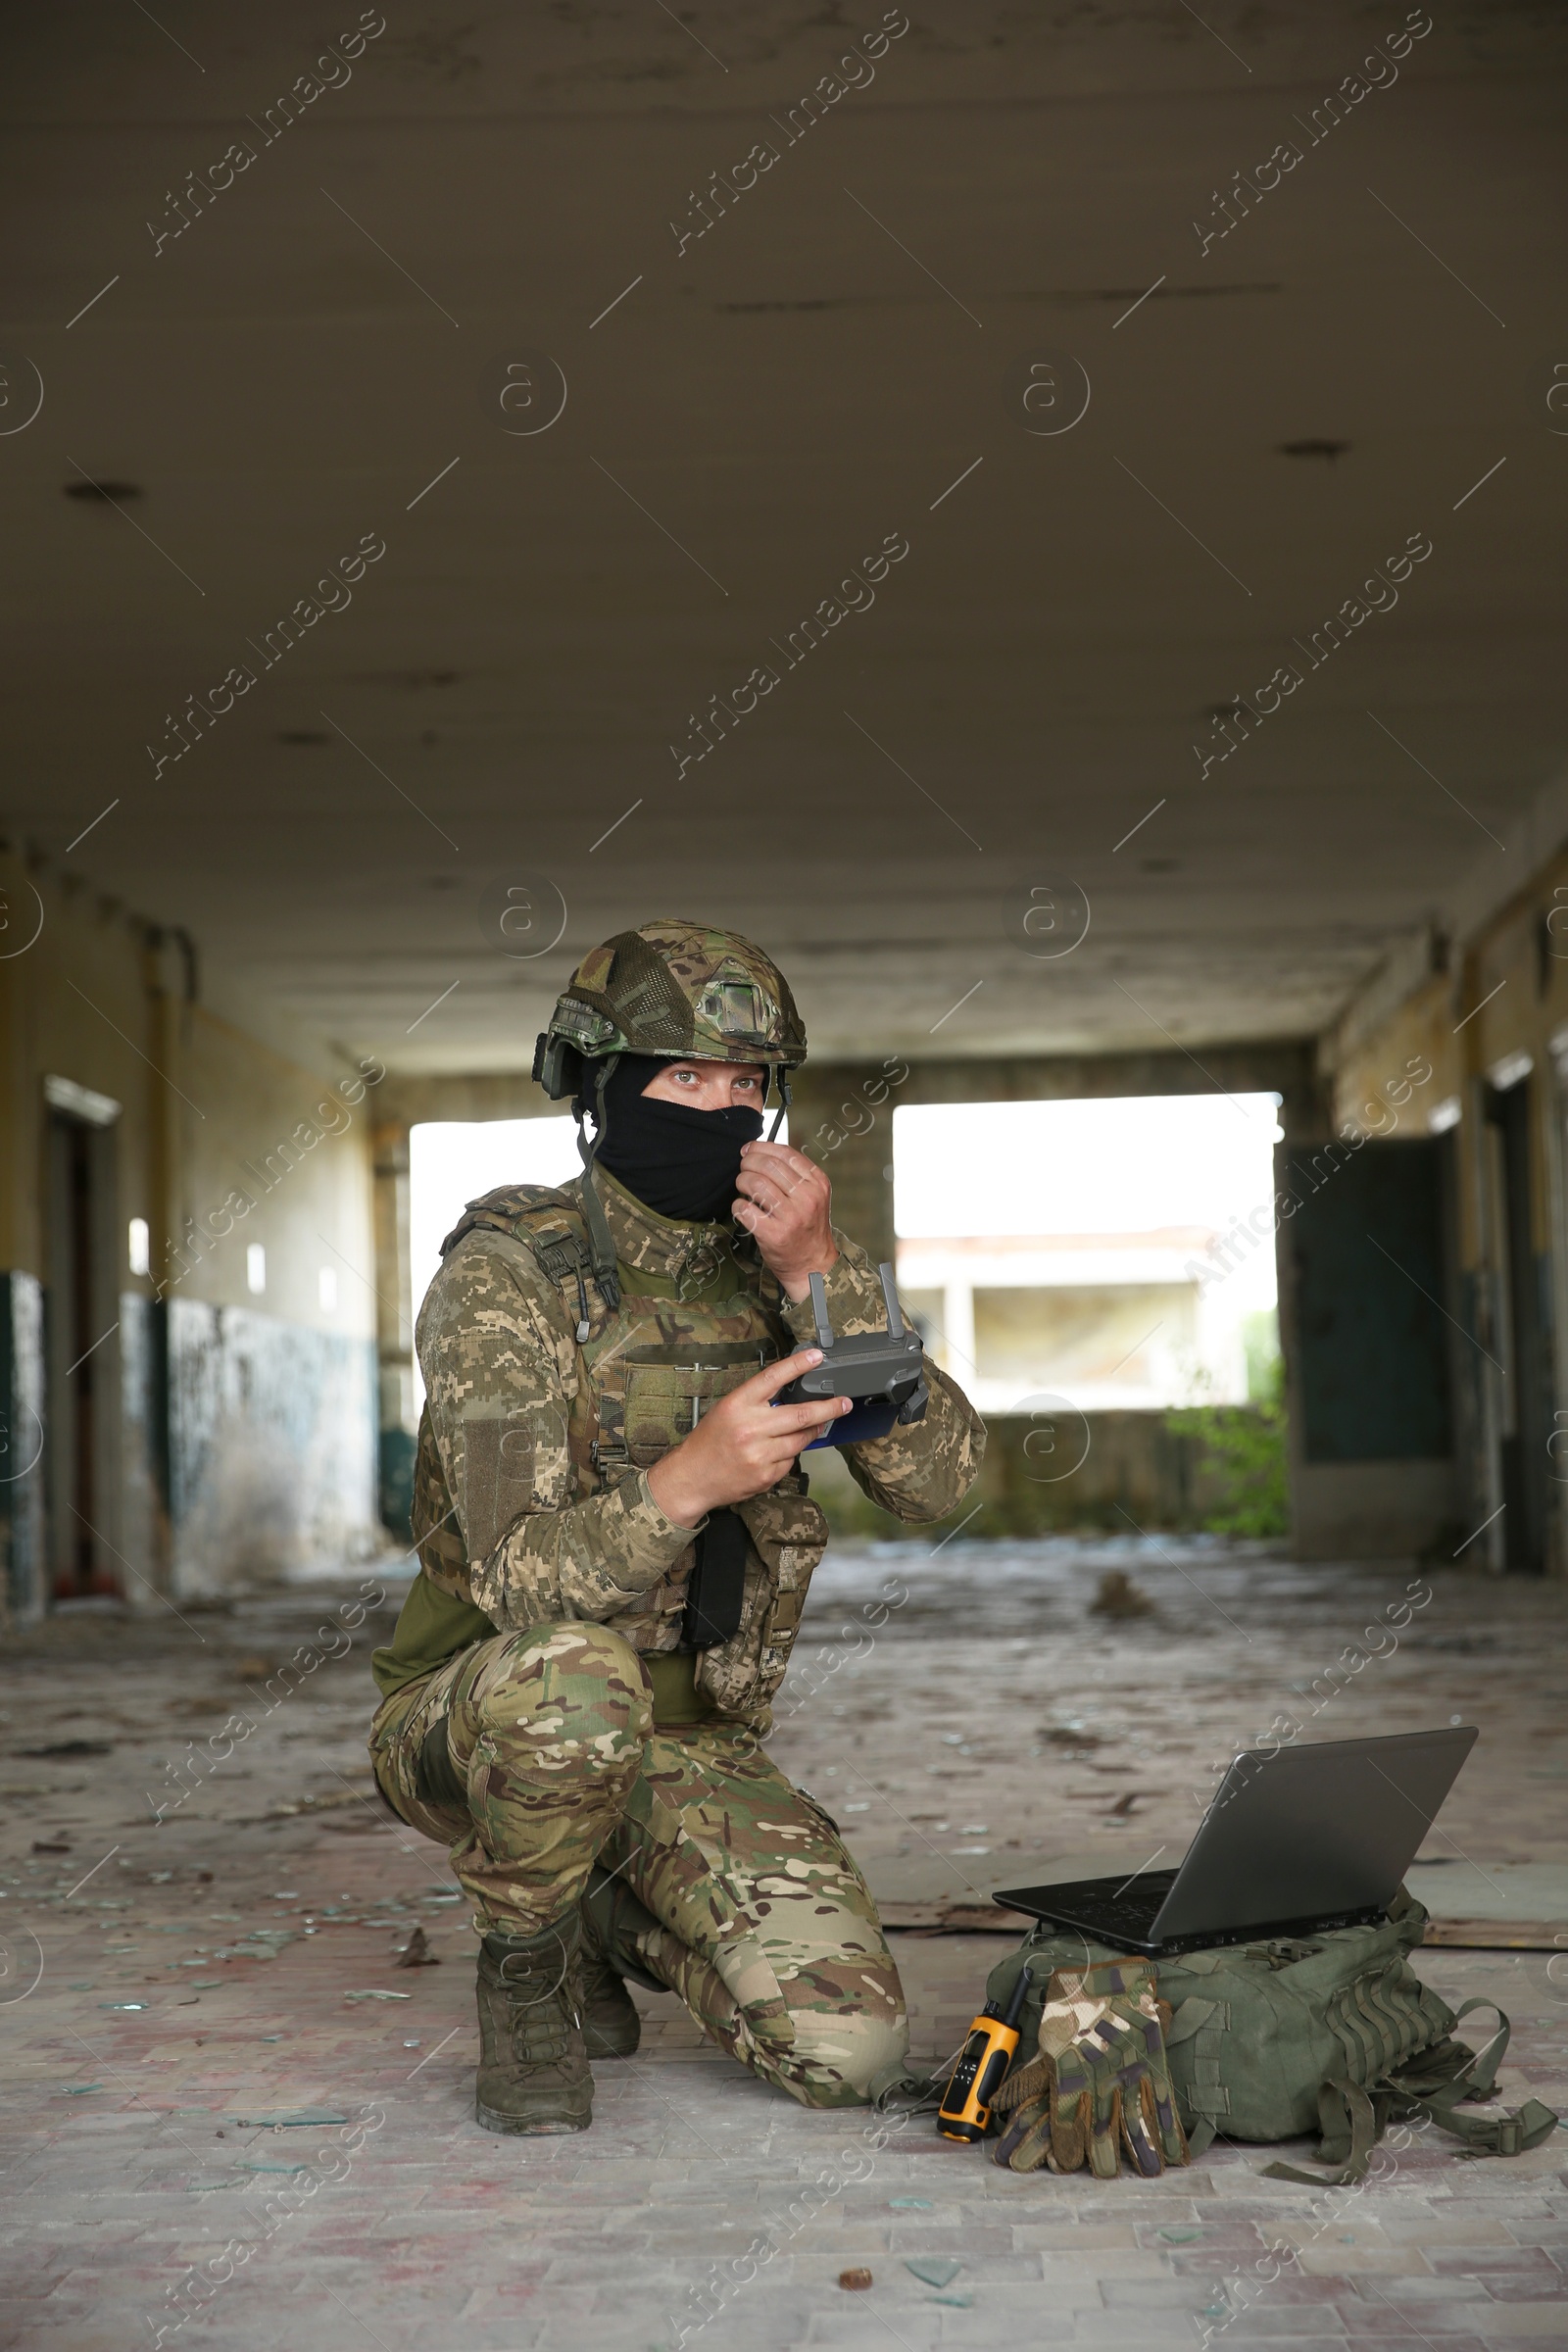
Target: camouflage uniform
[{"x": 554, "y": 1385}]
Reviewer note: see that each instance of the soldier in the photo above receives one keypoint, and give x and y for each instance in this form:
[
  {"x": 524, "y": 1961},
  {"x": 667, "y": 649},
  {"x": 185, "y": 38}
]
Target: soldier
[{"x": 616, "y": 1540}]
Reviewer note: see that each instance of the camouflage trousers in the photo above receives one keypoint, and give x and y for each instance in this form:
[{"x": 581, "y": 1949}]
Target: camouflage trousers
[{"x": 766, "y": 1929}]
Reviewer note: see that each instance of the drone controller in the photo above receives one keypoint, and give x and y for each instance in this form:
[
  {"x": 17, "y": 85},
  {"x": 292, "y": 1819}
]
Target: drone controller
[{"x": 883, "y": 1373}]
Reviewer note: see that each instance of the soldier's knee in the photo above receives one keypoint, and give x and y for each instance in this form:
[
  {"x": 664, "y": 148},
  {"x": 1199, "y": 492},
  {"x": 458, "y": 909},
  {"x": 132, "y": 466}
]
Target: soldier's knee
[
  {"x": 837, "y": 2069},
  {"x": 570, "y": 1699},
  {"x": 576, "y": 1649},
  {"x": 836, "y": 2053}
]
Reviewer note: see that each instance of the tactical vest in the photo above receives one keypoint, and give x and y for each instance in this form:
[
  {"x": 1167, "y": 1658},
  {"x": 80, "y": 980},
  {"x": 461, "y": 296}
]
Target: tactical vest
[{"x": 647, "y": 1369}]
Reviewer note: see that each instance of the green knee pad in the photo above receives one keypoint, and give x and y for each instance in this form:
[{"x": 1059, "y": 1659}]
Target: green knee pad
[
  {"x": 613, "y": 1918},
  {"x": 440, "y": 1781}
]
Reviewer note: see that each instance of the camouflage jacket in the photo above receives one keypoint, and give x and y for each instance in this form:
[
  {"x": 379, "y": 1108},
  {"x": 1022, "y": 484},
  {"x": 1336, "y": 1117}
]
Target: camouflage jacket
[{"x": 545, "y": 1411}]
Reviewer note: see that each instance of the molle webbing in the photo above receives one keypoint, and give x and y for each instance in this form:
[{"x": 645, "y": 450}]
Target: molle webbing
[
  {"x": 559, "y": 1254},
  {"x": 1380, "y": 2019},
  {"x": 512, "y": 1209},
  {"x": 1205, "y": 2024},
  {"x": 540, "y": 1217}
]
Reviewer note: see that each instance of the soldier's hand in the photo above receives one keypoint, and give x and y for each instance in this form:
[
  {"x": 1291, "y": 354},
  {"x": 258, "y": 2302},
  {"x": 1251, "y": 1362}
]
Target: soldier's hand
[
  {"x": 785, "y": 1204},
  {"x": 743, "y": 1445}
]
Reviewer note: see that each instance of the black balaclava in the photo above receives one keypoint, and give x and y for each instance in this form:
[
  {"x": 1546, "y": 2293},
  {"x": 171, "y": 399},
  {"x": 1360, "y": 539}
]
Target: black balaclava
[{"x": 677, "y": 1162}]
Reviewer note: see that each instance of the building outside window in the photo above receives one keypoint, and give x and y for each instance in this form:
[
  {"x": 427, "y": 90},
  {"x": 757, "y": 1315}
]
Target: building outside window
[{"x": 1065, "y": 1246}]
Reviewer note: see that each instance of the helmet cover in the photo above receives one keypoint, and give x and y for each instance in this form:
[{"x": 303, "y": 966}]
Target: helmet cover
[{"x": 682, "y": 991}]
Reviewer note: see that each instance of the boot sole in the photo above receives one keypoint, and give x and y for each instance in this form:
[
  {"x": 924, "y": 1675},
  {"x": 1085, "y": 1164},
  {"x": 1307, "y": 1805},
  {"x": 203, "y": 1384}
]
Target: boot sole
[{"x": 492, "y": 2119}]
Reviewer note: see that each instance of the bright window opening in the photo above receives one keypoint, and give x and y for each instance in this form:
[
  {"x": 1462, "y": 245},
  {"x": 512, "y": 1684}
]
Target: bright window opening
[
  {"x": 139, "y": 1252},
  {"x": 451, "y": 1162},
  {"x": 256, "y": 1268},
  {"x": 326, "y": 1289},
  {"x": 1063, "y": 1249}
]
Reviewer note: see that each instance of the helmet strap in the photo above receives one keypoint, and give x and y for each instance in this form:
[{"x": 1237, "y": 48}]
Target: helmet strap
[
  {"x": 783, "y": 1102},
  {"x": 602, "y": 1249}
]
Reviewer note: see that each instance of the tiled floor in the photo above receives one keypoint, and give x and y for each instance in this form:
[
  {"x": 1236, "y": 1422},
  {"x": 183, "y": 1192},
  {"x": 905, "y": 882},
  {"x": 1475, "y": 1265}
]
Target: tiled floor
[{"x": 199, "y": 1974}]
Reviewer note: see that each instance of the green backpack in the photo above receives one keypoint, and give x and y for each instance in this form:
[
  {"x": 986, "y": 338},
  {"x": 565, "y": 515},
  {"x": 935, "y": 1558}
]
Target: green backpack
[{"x": 1334, "y": 2032}]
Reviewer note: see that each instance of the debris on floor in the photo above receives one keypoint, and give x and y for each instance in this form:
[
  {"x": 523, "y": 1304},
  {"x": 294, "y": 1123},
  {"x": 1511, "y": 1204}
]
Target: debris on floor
[
  {"x": 623, "y": 2238},
  {"x": 69, "y": 1747},
  {"x": 933, "y": 2270},
  {"x": 308, "y": 2116},
  {"x": 1120, "y": 1597}
]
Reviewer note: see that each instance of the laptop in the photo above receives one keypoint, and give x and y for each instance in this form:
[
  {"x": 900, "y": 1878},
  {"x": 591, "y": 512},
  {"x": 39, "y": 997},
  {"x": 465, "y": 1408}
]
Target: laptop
[{"x": 1297, "y": 1840}]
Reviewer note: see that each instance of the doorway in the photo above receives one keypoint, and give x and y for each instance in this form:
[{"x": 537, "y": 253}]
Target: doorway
[
  {"x": 84, "y": 1356},
  {"x": 1363, "y": 1254},
  {"x": 1523, "y": 1336}
]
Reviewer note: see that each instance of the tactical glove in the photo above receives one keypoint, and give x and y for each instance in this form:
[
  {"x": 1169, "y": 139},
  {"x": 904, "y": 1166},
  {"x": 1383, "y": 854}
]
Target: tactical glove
[{"x": 1101, "y": 2081}]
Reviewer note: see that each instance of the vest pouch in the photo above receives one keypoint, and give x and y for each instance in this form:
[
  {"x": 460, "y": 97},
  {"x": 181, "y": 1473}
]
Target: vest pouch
[
  {"x": 652, "y": 1398},
  {"x": 788, "y": 1536}
]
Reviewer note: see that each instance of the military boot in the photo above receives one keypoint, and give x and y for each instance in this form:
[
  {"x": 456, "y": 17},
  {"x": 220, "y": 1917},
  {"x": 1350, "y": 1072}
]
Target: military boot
[
  {"x": 534, "y": 2067},
  {"x": 611, "y": 1916}
]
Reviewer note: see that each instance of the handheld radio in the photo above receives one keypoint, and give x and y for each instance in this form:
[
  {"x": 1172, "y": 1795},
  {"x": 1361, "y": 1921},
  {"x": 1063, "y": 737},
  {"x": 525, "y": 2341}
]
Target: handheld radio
[{"x": 983, "y": 2063}]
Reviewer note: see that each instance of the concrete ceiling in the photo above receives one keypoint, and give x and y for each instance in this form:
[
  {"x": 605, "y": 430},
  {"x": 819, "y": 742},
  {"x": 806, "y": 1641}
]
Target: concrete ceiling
[{"x": 841, "y": 356}]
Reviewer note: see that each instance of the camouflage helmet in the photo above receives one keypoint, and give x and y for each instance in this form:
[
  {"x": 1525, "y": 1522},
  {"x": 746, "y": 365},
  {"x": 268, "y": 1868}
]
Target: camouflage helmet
[{"x": 672, "y": 988}]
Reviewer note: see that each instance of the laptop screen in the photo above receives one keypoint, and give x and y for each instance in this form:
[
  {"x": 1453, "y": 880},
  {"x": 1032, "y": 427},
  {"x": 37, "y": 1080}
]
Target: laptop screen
[{"x": 1303, "y": 1832}]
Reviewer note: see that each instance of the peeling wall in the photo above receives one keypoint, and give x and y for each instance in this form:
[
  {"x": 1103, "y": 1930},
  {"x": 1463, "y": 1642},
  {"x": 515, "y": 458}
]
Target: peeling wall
[
  {"x": 245, "y": 1430},
  {"x": 271, "y": 1446},
  {"x": 22, "y": 1446}
]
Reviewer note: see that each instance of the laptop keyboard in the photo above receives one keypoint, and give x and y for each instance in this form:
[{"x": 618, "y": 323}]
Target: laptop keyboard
[
  {"x": 1137, "y": 1906},
  {"x": 1105, "y": 1905}
]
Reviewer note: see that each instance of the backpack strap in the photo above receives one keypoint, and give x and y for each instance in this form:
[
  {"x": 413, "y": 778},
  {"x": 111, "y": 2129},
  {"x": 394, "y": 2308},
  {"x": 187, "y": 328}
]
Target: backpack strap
[
  {"x": 1433, "y": 2085},
  {"x": 1428, "y": 2088},
  {"x": 1351, "y": 2122},
  {"x": 1495, "y": 2136},
  {"x": 1483, "y": 2066}
]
